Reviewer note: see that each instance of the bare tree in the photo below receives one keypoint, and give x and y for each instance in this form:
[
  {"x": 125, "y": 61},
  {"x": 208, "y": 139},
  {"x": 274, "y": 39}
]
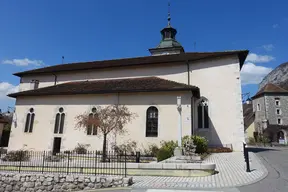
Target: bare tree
[{"x": 106, "y": 120}]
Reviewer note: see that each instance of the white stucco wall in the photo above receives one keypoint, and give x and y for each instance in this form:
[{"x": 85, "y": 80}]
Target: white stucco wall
[
  {"x": 218, "y": 80},
  {"x": 46, "y": 108}
]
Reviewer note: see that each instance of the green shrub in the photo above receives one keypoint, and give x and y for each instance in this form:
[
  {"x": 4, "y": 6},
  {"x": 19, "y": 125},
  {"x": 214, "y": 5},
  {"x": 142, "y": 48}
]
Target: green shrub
[
  {"x": 166, "y": 150},
  {"x": 200, "y": 142},
  {"x": 251, "y": 141},
  {"x": 81, "y": 148},
  {"x": 55, "y": 158},
  {"x": 163, "y": 154},
  {"x": 129, "y": 146},
  {"x": 20, "y": 155},
  {"x": 263, "y": 139},
  {"x": 151, "y": 151},
  {"x": 67, "y": 152}
]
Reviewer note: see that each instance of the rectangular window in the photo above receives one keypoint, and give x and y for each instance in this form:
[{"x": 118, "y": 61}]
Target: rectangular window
[
  {"x": 278, "y": 111},
  {"x": 34, "y": 84},
  {"x": 258, "y": 107},
  {"x": 279, "y": 121},
  {"x": 277, "y": 101}
]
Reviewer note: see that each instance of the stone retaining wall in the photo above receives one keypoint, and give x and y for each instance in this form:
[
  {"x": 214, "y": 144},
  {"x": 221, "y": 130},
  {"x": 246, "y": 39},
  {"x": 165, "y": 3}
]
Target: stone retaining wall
[{"x": 40, "y": 182}]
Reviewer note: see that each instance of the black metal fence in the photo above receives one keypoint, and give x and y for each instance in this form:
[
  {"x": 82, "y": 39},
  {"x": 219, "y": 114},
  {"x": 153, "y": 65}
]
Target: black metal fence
[{"x": 65, "y": 163}]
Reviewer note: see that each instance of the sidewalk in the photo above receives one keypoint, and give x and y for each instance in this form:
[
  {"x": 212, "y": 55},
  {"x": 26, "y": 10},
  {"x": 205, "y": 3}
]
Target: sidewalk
[{"x": 232, "y": 173}]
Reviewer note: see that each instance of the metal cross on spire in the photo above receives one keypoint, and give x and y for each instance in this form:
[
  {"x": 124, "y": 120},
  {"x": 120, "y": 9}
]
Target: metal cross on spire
[{"x": 169, "y": 17}]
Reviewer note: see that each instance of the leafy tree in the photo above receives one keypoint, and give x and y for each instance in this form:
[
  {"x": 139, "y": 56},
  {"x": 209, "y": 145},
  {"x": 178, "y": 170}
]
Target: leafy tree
[{"x": 108, "y": 119}]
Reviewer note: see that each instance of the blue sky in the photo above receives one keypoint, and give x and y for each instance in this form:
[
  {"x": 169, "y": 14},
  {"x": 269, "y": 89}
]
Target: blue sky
[{"x": 37, "y": 33}]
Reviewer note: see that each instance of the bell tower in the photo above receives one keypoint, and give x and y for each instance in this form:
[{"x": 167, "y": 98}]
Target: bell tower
[{"x": 169, "y": 44}]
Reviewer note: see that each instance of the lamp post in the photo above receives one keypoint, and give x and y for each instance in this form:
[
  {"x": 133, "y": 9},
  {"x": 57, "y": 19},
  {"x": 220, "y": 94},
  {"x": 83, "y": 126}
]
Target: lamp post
[
  {"x": 179, "y": 108},
  {"x": 178, "y": 150}
]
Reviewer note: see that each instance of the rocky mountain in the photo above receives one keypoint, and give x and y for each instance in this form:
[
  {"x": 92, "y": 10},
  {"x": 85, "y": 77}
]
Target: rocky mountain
[{"x": 279, "y": 76}]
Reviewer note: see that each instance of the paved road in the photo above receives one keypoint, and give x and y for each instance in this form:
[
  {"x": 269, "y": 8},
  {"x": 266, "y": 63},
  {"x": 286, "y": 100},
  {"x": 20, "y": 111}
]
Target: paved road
[{"x": 276, "y": 161}]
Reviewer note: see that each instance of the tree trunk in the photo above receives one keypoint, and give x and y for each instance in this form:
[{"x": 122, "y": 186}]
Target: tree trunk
[{"x": 104, "y": 148}]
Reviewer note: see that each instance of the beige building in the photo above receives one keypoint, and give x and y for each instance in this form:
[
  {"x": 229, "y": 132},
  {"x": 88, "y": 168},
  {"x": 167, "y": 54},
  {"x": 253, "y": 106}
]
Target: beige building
[
  {"x": 249, "y": 118},
  {"x": 209, "y": 84}
]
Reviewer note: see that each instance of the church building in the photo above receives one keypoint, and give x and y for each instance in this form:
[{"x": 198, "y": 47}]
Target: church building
[{"x": 207, "y": 84}]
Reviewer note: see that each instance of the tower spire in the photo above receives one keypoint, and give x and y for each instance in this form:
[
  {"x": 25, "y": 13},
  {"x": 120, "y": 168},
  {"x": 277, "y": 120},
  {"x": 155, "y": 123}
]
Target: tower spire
[
  {"x": 168, "y": 43},
  {"x": 169, "y": 16}
]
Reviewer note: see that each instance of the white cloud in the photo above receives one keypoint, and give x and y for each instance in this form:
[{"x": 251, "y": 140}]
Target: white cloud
[
  {"x": 252, "y": 57},
  {"x": 275, "y": 26},
  {"x": 268, "y": 47},
  {"x": 6, "y": 88},
  {"x": 253, "y": 74},
  {"x": 23, "y": 62}
]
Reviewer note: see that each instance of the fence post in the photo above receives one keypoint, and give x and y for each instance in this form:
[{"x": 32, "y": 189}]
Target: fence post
[
  {"x": 125, "y": 164},
  {"x": 43, "y": 162},
  {"x": 95, "y": 166},
  {"x": 68, "y": 163},
  {"x": 20, "y": 161},
  {"x": 138, "y": 157}
]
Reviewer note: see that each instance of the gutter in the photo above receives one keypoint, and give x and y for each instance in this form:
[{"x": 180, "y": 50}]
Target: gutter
[{"x": 192, "y": 98}]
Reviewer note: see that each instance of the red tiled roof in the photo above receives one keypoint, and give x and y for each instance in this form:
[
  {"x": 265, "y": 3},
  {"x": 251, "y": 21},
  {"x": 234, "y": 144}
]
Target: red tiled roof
[
  {"x": 137, "y": 61},
  {"x": 270, "y": 88},
  {"x": 145, "y": 84}
]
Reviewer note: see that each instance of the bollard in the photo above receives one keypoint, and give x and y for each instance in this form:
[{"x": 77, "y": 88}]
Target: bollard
[
  {"x": 137, "y": 157},
  {"x": 246, "y": 157}
]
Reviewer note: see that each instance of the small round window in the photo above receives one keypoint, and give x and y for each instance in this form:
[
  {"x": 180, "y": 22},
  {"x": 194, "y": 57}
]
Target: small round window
[
  {"x": 94, "y": 110},
  {"x": 31, "y": 110},
  {"x": 61, "y": 109}
]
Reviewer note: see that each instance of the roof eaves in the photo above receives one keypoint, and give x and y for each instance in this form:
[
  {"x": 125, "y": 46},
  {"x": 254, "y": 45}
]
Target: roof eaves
[
  {"x": 26, "y": 93},
  {"x": 242, "y": 54}
]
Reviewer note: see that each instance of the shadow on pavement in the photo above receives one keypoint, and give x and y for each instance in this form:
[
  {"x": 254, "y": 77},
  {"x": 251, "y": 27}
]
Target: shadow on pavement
[{"x": 260, "y": 149}]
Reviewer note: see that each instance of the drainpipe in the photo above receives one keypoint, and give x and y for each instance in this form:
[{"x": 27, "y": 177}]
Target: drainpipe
[
  {"x": 192, "y": 100},
  {"x": 55, "y": 80},
  {"x": 188, "y": 70}
]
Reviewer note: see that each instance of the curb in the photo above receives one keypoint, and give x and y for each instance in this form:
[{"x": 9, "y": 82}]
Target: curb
[
  {"x": 262, "y": 166},
  {"x": 108, "y": 189}
]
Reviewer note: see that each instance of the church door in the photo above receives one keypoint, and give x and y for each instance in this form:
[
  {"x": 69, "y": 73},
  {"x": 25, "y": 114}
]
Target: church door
[{"x": 56, "y": 145}]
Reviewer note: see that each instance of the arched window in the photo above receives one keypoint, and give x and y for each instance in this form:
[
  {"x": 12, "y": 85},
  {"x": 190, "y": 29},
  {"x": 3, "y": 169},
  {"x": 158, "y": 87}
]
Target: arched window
[
  {"x": 203, "y": 114},
  {"x": 152, "y": 122},
  {"x": 59, "y": 121},
  {"x": 92, "y": 129},
  {"x": 29, "y": 121}
]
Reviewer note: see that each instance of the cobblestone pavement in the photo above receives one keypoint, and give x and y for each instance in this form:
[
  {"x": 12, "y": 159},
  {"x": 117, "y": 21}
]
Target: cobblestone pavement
[{"x": 232, "y": 173}]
